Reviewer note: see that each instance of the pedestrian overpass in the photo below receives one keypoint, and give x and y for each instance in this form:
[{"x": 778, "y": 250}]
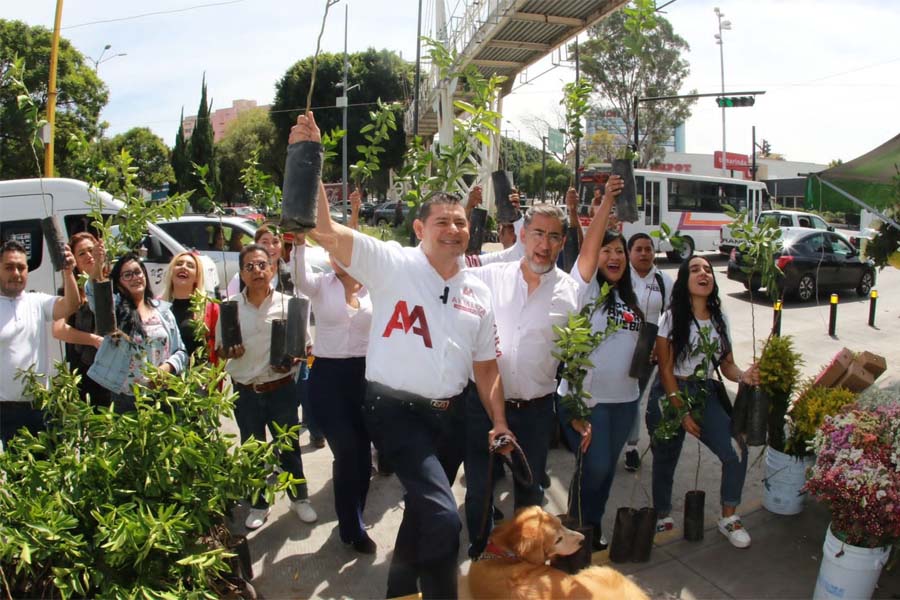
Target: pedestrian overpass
[{"x": 502, "y": 37}]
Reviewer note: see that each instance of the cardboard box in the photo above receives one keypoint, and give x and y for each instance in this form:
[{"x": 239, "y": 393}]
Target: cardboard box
[
  {"x": 835, "y": 369},
  {"x": 873, "y": 363},
  {"x": 856, "y": 379}
]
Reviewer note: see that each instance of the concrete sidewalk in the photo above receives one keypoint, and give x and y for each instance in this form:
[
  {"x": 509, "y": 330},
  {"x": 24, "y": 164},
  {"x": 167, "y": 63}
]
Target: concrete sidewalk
[{"x": 295, "y": 560}]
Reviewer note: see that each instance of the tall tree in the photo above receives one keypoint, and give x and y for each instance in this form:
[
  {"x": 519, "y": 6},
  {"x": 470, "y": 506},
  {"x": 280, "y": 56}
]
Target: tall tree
[
  {"x": 622, "y": 72},
  {"x": 202, "y": 153},
  {"x": 515, "y": 154},
  {"x": 149, "y": 155},
  {"x": 80, "y": 97},
  {"x": 251, "y": 132},
  {"x": 181, "y": 161},
  {"x": 379, "y": 74}
]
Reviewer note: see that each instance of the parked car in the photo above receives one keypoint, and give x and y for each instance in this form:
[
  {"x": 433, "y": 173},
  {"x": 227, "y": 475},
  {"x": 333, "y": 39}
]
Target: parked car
[
  {"x": 222, "y": 241},
  {"x": 248, "y": 212},
  {"x": 385, "y": 213},
  {"x": 812, "y": 262},
  {"x": 782, "y": 218}
]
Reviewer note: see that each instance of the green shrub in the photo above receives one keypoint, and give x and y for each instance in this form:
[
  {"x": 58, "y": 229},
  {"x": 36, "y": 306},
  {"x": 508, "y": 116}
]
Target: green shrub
[{"x": 127, "y": 506}]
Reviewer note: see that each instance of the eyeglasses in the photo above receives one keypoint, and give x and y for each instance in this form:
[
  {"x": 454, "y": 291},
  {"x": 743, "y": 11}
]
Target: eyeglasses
[
  {"x": 261, "y": 265},
  {"x": 129, "y": 275},
  {"x": 540, "y": 235}
]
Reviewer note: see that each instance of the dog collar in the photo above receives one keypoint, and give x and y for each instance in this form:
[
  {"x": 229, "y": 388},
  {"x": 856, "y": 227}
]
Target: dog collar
[{"x": 493, "y": 551}]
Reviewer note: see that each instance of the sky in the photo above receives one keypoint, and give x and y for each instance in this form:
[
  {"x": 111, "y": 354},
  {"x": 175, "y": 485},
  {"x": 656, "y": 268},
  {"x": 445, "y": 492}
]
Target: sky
[{"x": 830, "y": 68}]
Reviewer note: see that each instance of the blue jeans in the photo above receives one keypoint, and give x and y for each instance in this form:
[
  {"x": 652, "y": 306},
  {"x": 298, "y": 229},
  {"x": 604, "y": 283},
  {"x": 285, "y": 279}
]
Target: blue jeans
[
  {"x": 337, "y": 388},
  {"x": 255, "y": 411},
  {"x": 715, "y": 433},
  {"x": 610, "y": 425},
  {"x": 425, "y": 553},
  {"x": 529, "y": 425},
  {"x": 309, "y": 417}
]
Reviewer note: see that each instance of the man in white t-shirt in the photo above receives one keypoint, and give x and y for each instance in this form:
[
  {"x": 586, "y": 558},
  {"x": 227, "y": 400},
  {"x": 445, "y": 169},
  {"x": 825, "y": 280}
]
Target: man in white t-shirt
[
  {"x": 432, "y": 324},
  {"x": 653, "y": 289},
  {"x": 530, "y": 296},
  {"x": 23, "y": 336}
]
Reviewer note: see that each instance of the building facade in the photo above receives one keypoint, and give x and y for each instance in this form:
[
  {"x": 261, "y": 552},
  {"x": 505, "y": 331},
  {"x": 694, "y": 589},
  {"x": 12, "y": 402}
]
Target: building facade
[{"x": 221, "y": 118}]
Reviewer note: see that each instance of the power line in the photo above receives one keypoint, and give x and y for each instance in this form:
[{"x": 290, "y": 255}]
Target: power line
[{"x": 153, "y": 14}]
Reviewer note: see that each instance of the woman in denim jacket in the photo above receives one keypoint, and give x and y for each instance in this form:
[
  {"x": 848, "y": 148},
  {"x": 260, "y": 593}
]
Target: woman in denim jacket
[{"x": 147, "y": 331}]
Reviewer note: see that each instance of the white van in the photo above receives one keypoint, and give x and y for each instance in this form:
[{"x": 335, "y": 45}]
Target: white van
[{"x": 24, "y": 202}]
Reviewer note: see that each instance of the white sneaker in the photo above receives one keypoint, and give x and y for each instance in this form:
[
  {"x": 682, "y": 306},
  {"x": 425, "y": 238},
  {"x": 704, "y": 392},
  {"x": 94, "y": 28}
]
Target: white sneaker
[
  {"x": 305, "y": 511},
  {"x": 732, "y": 528},
  {"x": 256, "y": 518},
  {"x": 665, "y": 524}
]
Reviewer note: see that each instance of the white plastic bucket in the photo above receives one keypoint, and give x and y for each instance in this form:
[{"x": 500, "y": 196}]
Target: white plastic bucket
[
  {"x": 848, "y": 572},
  {"x": 785, "y": 475}
]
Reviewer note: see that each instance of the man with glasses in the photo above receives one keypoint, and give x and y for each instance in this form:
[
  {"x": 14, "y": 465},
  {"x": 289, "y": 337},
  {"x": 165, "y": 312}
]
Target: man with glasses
[
  {"x": 529, "y": 296},
  {"x": 23, "y": 338},
  {"x": 267, "y": 394}
]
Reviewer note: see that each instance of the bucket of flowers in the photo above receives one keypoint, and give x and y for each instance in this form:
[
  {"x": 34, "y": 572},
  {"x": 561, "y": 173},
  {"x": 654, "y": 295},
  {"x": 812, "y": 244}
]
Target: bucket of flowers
[{"x": 857, "y": 474}]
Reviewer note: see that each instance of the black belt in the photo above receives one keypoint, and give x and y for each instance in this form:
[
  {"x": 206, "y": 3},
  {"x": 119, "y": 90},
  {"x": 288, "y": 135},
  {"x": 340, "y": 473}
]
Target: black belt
[
  {"x": 517, "y": 403},
  {"x": 262, "y": 388},
  {"x": 411, "y": 400}
]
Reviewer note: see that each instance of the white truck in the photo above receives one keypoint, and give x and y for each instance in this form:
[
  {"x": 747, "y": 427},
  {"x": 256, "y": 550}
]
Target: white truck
[{"x": 782, "y": 218}]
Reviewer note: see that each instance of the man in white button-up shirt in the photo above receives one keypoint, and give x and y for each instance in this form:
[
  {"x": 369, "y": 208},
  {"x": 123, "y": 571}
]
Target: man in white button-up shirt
[{"x": 530, "y": 296}]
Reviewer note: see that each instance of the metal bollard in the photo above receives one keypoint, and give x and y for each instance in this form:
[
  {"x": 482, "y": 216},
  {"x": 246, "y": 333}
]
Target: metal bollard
[
  {"x": 776, "y": 318},
  {"x": 832, "y": 321},
  {"x": 873, "y": 300}
]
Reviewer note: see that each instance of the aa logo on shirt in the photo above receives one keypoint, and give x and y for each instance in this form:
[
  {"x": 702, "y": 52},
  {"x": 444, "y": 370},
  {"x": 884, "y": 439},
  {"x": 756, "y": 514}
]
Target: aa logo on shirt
[{"x": 405, "y": 321}]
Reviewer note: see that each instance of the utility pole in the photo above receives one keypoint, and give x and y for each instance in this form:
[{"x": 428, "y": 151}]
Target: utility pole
[
  {"x": 543, "y": 168},
  {"x": 51, "y": 93},
  {"x": 723, "y": 25},
  {"x": 418, "y": 73},
  {"x": 577, "y": 140},
  {"x": 344, "y": 197}
]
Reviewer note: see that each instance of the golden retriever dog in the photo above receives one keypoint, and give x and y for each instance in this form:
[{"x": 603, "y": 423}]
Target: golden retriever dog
[{"x": 514, "y": 564}]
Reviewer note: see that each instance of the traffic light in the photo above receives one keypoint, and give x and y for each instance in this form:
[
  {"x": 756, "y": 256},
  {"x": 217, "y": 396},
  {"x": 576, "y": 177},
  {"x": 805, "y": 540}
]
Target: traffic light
[
  {"x": 766, "y": 148},
  {"x": 735, "y": 101}
]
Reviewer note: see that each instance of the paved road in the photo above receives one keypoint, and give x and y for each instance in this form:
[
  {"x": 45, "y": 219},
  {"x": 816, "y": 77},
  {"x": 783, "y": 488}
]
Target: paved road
[{"x": 294, "y": 560}]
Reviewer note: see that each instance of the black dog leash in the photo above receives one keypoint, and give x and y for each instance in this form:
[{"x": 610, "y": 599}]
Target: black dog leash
[{"x": 518, "y": 466}]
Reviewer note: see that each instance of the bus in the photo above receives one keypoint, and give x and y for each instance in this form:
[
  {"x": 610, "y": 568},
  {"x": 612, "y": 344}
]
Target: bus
[{"x": 691, "y": 205}]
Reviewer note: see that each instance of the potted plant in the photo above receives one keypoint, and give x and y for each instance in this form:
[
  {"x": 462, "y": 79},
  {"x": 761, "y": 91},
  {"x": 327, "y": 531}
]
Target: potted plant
[
  {"x": 807, "y": 412},
  {"x": 574, "y": 345},
  {"x": 857, "y": 474},
  {"x": 779, "y": 372},
  {"x": 137, "y": 505},
  {"x": 757, "y": 245},
  {"x": 303, "y": 166},
  {"x": 626, "y": 202}
]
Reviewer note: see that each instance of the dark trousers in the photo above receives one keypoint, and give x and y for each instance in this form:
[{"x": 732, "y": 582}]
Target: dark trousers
[
  {"x": 337, "y": 388},
  {"x": 254, "y": 412},
  {"x": 425, "y": 553},
  {"x": 715, "y": 433},
  {"x": 16, "y": 415},
  {"x": 530, "y": 426},
  {"x": 309, "y": 417},
  {"x": 610, "y": 423}
]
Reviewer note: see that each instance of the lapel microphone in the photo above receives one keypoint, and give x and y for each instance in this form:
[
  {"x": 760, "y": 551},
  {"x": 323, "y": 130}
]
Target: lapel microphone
[{"x": 443, "y": 297}]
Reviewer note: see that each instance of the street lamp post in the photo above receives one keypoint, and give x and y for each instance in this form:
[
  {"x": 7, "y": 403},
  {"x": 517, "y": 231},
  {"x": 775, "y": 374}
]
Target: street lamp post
[
  {"x": 100, "y": 60},
  {"x": 723, "y": 26}
]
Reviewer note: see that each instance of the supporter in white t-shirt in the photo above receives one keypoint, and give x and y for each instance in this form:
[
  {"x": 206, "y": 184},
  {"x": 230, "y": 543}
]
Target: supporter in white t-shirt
[
  {"x": 23, "y": 337},
  {"x": 603, "y": 260},
  {"x": 695, "y": 307},
  {"x": 653, "y": 289},
  {"x": 432, "y": 323}
]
